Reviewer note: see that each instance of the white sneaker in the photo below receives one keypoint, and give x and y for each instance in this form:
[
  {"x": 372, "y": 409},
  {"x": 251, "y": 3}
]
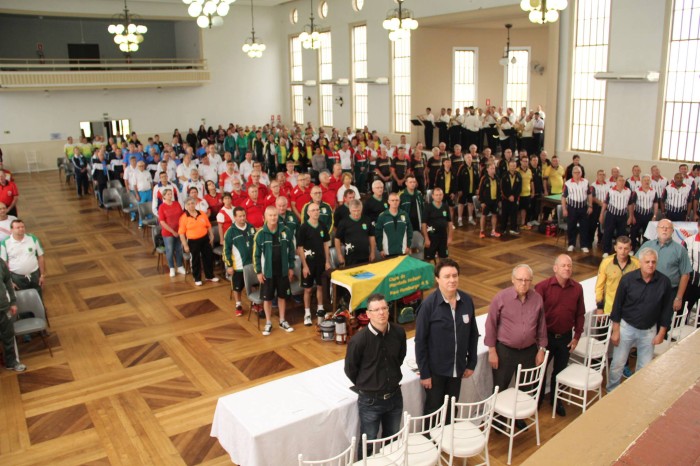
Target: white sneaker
[
  {"x": 570, "y": 249},
  {"x": 471, "y": 221},
  {"x": 268, "y": 328},
  {"x": 307, "y": 320},
  {"x": 172, "y": 273},
  {"x": 513, "y": 232},
  {"x": 284, "y": 325},
  {"x": 181, "y": 270},
  {"x": 214, "y": 280},
  {"x": 585, "y": 250},
  {"x": 459, "y": 223},
  {"x": 198, "y": 283},
  {"x": 535, "y": 223}
]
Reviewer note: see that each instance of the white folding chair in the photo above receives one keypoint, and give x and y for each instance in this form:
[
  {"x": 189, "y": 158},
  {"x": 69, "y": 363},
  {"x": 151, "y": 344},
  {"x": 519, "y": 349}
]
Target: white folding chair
[
  {"x": 676, "y": 324},
  {"x": 598, "y": 330},
  {"x": 520, "y": 402},
  {"x": 344, "y": 458},
  {"x": 32, "y": 161},
  {"x": 688, "y": 328},
  {"x": 390, "y": 450},
  {"x": 574, "y": 382},
  {"x": 425, "y": 434},
  {"x": 468, "y": 434}
]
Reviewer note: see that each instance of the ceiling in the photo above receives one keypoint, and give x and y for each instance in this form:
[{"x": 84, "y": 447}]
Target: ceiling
[{"x": 491, "y": 18}]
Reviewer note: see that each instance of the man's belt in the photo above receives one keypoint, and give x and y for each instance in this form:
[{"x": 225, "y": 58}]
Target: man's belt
[
  {"x": 380, "y": 395},
  {"x": 558, "y": 336}
]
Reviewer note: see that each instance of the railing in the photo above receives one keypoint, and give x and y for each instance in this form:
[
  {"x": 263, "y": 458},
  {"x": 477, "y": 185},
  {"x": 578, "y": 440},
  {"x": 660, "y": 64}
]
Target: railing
[{"x": 124, "y": 64}]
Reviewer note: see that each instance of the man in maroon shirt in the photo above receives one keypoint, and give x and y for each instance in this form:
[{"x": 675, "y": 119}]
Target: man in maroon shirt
[
  {"x": 515, "y": 328},
  {"x": 564, "y": 311}
]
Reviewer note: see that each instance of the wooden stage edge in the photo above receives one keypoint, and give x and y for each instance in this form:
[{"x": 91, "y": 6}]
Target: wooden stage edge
[{"x": 616, "y": 422}]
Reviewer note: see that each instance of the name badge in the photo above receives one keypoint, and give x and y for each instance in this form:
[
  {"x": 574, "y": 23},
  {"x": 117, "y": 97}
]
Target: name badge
[{"x": 465, "y": 318}]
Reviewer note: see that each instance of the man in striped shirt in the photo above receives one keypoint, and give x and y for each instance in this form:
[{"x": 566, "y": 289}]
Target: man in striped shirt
[
  {"x": 659, "y": 183},
  {"x": 677, "y": 199},
  {"x": 576, "y": 206},
  {"x": 635, "y": 181},
  {"x": 645, "y": 208},
  {"x": 600, "y": 193},
  {"x": 619, "y": 207}
]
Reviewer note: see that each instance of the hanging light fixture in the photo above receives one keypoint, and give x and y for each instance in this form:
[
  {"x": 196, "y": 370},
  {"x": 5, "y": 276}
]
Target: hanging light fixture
[
  {"x": 504, "y": 60},
  {"x": 209, "y": 13},
  {"x": 543, "y": 11},
  {"x": 310, "y": 38},
  {"x": 127, "y": 33},
  {"x": 399, "y": 22},
  {"x": 253, "y": 47}
]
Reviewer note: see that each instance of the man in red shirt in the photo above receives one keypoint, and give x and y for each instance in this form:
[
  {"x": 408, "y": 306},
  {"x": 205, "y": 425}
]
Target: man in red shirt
[
  {"x": 254, "y": 180},
  {"x": 238, "y": 196},
  {"x": 302, "y": 193},
  {"x": 8, "y": 194},
  {"x": 254, "y": 208},
  {"x": 336, "y": 179},
  {"x": 273, "y": 194},
  {"x": 330, "y": 194},
  {"x": 564, "y": 311}
]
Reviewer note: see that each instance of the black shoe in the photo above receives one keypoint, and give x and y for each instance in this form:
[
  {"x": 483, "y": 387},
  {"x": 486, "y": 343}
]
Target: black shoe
[
  {"x": 560, "y": 410},
  {"x": 520, "y": 424}
]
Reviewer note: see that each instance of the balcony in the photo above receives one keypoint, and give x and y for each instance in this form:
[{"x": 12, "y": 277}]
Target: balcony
[{"x": 62, "y": 74}]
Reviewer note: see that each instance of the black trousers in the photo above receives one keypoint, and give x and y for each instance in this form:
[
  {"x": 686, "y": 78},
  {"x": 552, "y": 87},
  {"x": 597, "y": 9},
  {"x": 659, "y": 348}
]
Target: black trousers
[
  {"x": 81, "y": 183},
  {"x": 26, "y": 282},
  {"x": 509, "y": 215},
  {"x": 201, "y": 250},
  {"x": 692, "y": 295},
  {"x": 508, "y": 360},
  {"x": 594, "y": 225},
  {"x": 428, "y": 135},
  {"x": 614, "y": 226},
  {"x": 442, "y": 386},
  {"x": 558, "y": 356},
  {"x": 638, "y": 229},
  {"x": 577, "y": 222}
]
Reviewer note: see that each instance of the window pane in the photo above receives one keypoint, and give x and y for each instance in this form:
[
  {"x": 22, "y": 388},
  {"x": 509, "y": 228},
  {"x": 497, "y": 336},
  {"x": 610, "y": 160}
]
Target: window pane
[
  {"x": 401, "y": 77},
  {"x": 359, "y": 70},
  {"x": 680, "y": 138},
  {"x": 464, "y": 79},
  {"x": 296, "y": 75},
  {"x": 325, "y": 72},
  {"x": 590, "y": 57},
  {"x": 517, "y": 79}
]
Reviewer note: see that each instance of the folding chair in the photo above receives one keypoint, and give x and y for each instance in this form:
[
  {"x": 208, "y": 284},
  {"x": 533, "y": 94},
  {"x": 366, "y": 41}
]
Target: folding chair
[
  {"x": 250, "y": 281},
  {"x": 30, "y": 301},
  {"x": 425, "y": 434},
  {"x": 520, "y": 402},
  {"x": 597, "y": 330},
  {"x": 673, "y": 332},
  {"x": 344, "y": 458},
  {"x": 391, "y": 450}
]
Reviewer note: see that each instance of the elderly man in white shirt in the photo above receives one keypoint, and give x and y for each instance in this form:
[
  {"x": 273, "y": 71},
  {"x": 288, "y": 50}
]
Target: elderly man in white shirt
[
  {"x": 207, "y": 170},
  {"x": 185, "y": 168},
  {"x": 144, "y": 186},
  {"x": 24, "y": 256},
  {"x": 5, "y": 222}
]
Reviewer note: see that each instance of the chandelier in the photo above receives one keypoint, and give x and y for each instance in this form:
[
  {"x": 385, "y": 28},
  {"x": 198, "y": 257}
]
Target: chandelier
[
  {"x": 310, "y": 38},
  {"x": 504, "y": 60},
  {"x": 399, "y": 22},
  {"x": 127, "y": 34},
  {"x": 543, "y": 11},
  {"x": 208, "y": 12},
  {"x": 252, "y": 47}
]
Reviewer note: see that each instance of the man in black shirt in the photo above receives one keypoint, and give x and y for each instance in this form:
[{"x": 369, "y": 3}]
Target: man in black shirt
[
  {"x": 411, "y": 201},
  {"x": 376, "y": 203},
  {"x": 342, "y": 212},
  {"x": 354, "y": 238},
  {"x": 437, "y": 227},
  {"x": 373, "y": 364},
  {"x": 382, "y": 170},
  {"x": 399, "y": 170},
  {"x": 417, "y": 165},
  {"x": 643, "y": 299},
  {"x": 434, "y": 166},
  {"x": 313, "y": 241}
]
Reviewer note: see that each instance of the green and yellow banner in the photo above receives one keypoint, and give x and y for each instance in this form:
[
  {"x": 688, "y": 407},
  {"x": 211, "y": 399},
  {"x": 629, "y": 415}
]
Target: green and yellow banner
[{"x": 394, "y": 278}]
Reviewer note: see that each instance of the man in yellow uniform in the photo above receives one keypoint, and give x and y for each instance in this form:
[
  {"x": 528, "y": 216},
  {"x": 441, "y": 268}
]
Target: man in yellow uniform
[{"x": 526, "y": 191}]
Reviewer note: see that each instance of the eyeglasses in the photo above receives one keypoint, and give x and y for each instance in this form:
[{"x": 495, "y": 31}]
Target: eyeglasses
[{"x": 523, "y": 280}]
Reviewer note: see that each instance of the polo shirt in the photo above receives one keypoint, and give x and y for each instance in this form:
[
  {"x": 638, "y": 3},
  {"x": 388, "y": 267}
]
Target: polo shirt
[
  {"x": 673, "y": 259},
  {"x": 170, "y": 214},
  {"x": 22, "y": 255},
  {"x": 194, "y": 227},
  {"x": 8, "y": 192},
  {"x": 5, "y": 229}
]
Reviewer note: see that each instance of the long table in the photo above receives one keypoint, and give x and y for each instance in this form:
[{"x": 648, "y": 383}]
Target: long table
[{"x": 315, "y": 412}]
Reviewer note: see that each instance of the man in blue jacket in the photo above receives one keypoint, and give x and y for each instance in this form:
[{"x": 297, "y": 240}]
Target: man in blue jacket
[{"x": 446, "y": 338}]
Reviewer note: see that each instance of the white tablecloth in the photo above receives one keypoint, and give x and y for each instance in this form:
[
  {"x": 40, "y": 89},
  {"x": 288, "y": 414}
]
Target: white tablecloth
[{"x": 315, "y": 412}]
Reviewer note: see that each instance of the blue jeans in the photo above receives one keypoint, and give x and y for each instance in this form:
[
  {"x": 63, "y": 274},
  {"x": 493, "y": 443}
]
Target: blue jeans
[
  {"x": 375, "y": 412},
  {"x": 630, "y": 337},
  {"x": 173, "y": 251}
]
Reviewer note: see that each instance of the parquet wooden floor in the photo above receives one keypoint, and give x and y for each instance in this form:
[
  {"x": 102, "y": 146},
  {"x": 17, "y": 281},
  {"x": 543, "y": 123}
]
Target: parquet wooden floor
[{"x": 140, "y": 359}]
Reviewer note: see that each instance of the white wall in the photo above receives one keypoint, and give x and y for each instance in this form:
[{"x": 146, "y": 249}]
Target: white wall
[{"x": 242, "y": 90}]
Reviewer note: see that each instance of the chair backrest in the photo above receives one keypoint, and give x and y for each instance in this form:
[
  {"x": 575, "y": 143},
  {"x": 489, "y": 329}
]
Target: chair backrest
[
  {"x": 598, "y": 347},
  {"x": 393, "y": 448},
  {"x": 431, "y": 425},
  {"x": 479, "y": 414},
  {"x": 114, "y": 184},
  {"x": 334, "y": 257},
  {"x": 111, "y": 194},
  {"x": 528, "y": 383},
  {"x": 250, "y": 278},
  {"x": 30, "y": 301},
  {"x": 598, "y": 325},
  {"x": 215, "y": 231},
  {"x": 344, "y": 458},
  {"x": 417, "y": 242},
  {"x": 561, "y": 221},
  {"x": 676, "y": 323},
  {"x": 132, "y": 198},
  {"x": 145, "y": 209},
  {"x": 477, "y": 204},
  {"x": 429, "y": 196}
]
